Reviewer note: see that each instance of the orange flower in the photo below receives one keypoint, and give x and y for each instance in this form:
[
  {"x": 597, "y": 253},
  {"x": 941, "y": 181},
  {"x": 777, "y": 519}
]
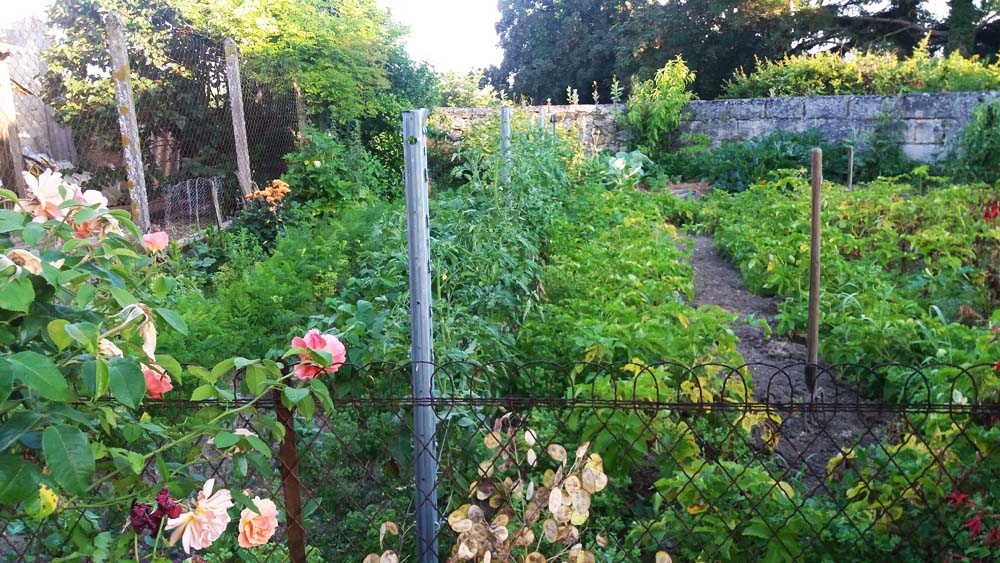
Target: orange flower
[{"x": 256, "y": 528}]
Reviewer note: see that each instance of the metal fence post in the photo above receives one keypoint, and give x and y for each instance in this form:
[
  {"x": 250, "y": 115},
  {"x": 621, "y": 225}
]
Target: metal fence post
[
  {"x": 541, "y": 118},
  {"x": 291, "y": 484},
  {"x": 127, "y": 121},
  {"x": 505, "y": 141},
  {"x": 850, "y": 169},
  {"x": 11, "y": 160},
  {"x": 812, "y": 328},
  {"x": 239, "y": 122},
  {"x": 421, "y": 336}
]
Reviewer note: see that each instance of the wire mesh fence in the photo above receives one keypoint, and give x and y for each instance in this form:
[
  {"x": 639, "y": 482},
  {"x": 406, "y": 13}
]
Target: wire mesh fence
[
  {"x": 61, "y": 112},
  {"x": 621, "y": 463}
]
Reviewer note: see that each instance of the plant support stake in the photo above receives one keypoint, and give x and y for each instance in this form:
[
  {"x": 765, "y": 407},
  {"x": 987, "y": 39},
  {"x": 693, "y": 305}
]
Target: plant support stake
[
  {"x": 850, "y": 169},
  {"x": 812, "y": 330},
  {"x": 505, "y": 141},
  {"x": 421, "y": 336}
]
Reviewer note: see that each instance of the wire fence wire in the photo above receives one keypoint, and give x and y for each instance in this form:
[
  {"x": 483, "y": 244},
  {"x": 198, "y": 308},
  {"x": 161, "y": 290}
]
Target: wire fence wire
[
  {"x": 64, "y": 116},
  {"x": 619, "y": 463}
]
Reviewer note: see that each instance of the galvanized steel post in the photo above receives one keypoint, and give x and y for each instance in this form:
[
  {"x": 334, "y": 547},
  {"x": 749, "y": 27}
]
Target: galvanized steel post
[
  {"x": 812, "y": 327},
  {"x": 505, "y": 141},
  {"x": 421, "y": 335}
]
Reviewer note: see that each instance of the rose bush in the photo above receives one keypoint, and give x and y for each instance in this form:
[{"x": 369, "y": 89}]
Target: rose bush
[{"x": 86, "y": 435}]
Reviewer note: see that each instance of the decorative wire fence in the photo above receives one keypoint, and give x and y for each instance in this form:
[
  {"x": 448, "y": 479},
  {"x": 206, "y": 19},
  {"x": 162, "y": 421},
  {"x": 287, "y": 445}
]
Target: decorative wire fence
[
  {"x": 620, "y": 463},
  {"x": 58, "y": 112}
]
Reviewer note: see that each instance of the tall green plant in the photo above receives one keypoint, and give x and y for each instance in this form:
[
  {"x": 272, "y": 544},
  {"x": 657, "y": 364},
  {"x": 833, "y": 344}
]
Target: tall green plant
[
  {"x": 656, "y": 106},
  {"x": 976, "y": 156}
]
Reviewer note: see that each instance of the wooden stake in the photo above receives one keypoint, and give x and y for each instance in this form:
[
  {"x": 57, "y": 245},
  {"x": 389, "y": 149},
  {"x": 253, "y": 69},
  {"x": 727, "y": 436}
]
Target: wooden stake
[
  {"x": 850, "y": 168},
  {"x": 812, "y": 331},
  {"x": 239, "y": 121},
  {"x": 11, "y": 160},
  {"x": 127, "y": 122}
]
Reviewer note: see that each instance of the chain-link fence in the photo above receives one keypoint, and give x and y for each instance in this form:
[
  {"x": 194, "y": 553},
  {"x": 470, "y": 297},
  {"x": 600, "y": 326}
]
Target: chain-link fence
[
  {"x": 62, "y": 114},
  {"x": 624, "y": 463}
]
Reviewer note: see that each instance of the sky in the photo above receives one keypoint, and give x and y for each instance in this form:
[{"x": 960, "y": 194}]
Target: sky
[{"x": 456, "y": 35}]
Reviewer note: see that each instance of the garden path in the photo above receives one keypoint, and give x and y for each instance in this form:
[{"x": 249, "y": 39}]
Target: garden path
[{"x": 807, "y": 442}]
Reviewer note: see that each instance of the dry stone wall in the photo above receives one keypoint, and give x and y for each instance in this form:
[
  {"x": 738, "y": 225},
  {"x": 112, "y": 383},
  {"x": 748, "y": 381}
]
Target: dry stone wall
[{"x": 931, "y": 122}]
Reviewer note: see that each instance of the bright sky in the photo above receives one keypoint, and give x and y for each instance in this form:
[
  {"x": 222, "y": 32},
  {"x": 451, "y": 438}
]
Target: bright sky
[{"x": 454, "y": 35}]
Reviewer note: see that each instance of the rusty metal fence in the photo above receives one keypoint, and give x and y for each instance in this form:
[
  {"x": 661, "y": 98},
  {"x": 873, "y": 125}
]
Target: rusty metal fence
[{"x": 632, "y": 463}]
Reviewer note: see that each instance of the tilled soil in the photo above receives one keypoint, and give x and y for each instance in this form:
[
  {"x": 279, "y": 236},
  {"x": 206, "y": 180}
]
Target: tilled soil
[{"x": 777, "y": 367}]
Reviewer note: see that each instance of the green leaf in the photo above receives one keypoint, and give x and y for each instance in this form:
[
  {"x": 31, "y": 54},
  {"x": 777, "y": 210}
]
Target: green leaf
[
  {"x": 68, "y": 457},
  {"x": 136, "y": 462},
  {"x": 17, "y": 294},
  {"x": 6, "y": 382},
  {"x": 225, "y": 439},
  {"x": 294, "y": 394},
  {"x": 256, "y": 377},
  {"x": 18, "y": 479},
  {"x": 102, "y": 378},
  {"x": 240, "y": 363},
  {"x": 9, "y": 195},
  {"x": 172, "y": 366},
  {"x": 86, "y": 334},
  {"x": 259, "y": 445},
  {"x": 201, "y": 373},
  {"x": 241, "y": 498},
  {"x": 322, "y": 393},
  {"x": 58, "y": 334},
  {"x": 17, "y": 425},
  {"x": 203, "y": 392},
  {"x": 127, "y": 383},
  {"x": 172, "y": 319},
  {"x": 32, "y": 233},
  {"x": 40, "y": 375},
  {"x": 123, "y": 296},
  {"x": 222, "y": 368},
  {"x": 307, "y": 406},
  {"x": 85, "y": 295}
]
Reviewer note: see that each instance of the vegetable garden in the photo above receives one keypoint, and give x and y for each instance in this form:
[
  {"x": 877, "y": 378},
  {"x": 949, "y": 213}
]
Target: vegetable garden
[{"x": 249, "y": 397}]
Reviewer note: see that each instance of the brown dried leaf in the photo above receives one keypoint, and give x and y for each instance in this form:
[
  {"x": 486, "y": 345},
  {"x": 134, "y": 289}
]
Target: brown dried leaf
[
  {"x": 461, "y": 513},
  {"x": 529, "y": 492},
  {"x": 532, "y": 457},
  {"x": 551, "y": 530},
  {"x": 581, "y": 450},
  {"x": 487, "y": 557},
  {"x": 555, "y": 501},
  {"x": 534, "y": 557},
  {"x": 389, "y": 527},
  {"x": 548, "y": 478},
  {"x": 493, "y": 440},
  {"x": 476, "y": 514},
  {"x": 530, "y": 438},
  {"x": 371, "y": 558},
  {"x": 580, "y": 499},
  {"x": 601, "y": 541},
  {"x": 524, "y": 538},
  {"x": 564, "y": 514},
  {"x": 557, "y": 453},
  {"x": 389, "y": 556},
  {"x": 571, "y": 484},
  {"x": 578, "y": 518},
  {"x": 465, "y": 553},
  {"x": 663, "y": 557}
]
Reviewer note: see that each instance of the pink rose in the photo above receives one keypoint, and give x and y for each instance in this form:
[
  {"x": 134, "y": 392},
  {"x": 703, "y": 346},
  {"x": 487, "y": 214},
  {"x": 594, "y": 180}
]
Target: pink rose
[
  {"x": 257, "y": 529},
  {"x": 155, "y": 241},
  {"x": 157, "y": 381},
  {"x": 313, "y": 340},
  {"x": 202, "y": 525}
]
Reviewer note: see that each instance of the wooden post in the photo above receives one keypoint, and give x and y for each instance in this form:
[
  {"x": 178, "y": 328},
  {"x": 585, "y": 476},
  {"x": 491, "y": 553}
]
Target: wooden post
[
  {"x": 218, "y": 213},
  {"x": 812, "y": 329},
  {"x": 127, "y": 122},
  {"x": 850, "y": 168},
  {"x": 239, "y": 122},
  {"x": 300, "y": 111},
  {"x": 11, "y": 160}
]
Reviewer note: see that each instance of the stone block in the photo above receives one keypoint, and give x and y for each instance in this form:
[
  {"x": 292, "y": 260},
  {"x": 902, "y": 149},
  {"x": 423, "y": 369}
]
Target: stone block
[
  {"x": 827, "y": 107},
  {"x": 925, "y": 131},
  {"x": 868, "y": 107},
  {"x": 785, "y": 108},
  {"x": 923, "y": 153}
]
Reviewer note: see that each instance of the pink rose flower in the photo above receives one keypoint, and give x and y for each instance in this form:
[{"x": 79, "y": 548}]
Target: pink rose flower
[
  {"x": 313, "y": 340},
  {"x": 157, "y": 381},
  {"x": 257, "y": 529},
  {"x": 47, "y": 192},
  {"x": 202, "y": 525},
  {"x": 155, "y": 241}
]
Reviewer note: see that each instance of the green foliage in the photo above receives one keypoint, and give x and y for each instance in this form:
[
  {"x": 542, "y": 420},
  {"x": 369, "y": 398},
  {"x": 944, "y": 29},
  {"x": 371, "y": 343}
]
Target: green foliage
[
  {"x": 625, "y": 169},
  {"x": 328, "y": 172},
  {"x": 976, "y": 155},
  {"x": 466, "y": 90},
  {"x": 655, "y": 106},
  {"x": 871, "y": 72},
  {"x": 881, "y": 153},
  {"x": 906, "y": 276}
]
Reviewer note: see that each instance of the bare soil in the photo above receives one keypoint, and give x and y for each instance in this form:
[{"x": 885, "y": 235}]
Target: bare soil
[{"x": 777, "y": 367}]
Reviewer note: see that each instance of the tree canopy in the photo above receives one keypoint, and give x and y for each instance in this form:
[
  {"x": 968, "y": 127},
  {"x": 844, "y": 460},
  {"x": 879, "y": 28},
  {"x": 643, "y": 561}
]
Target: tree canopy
[{"x": 551, "y": 44}]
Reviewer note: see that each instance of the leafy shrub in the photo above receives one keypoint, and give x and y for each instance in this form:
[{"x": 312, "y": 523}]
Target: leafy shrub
[
  {"x": 328, "y": 171},
  {"x": 655, "y": 106},
  {"x": 872, "y": 72},
  {"x": 625, "y": 169},
  {"x": 881, "y": 153},
  {"x": 976, "y": 156}
]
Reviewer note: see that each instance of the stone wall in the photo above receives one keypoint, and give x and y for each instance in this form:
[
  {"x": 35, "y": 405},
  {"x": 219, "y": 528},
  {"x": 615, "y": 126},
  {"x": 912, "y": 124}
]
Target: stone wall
[{"x": 930, "y": 121}]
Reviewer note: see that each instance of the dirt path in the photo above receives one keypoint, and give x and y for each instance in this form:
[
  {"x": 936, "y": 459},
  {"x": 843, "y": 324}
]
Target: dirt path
[{"x": 776, "y": 365}]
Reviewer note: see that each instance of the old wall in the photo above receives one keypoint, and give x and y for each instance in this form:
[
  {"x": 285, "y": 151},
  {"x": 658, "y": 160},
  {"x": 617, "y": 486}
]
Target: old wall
[{"x": 930, "y": 122}]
